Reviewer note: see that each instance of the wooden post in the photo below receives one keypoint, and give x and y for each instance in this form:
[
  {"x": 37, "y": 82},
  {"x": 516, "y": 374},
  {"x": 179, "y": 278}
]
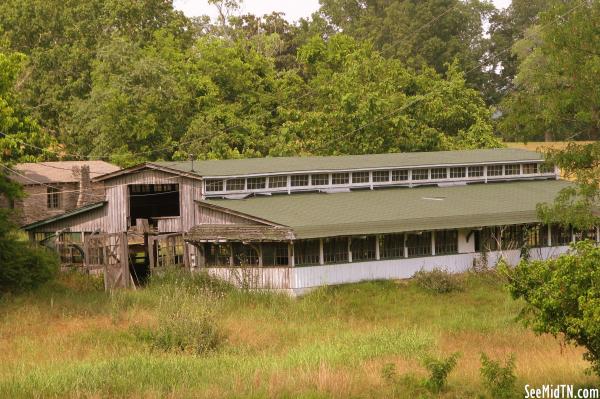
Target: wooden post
[
  {"x": 433, "y": 243},
  {"x": 124, "y": 257},
  {"x": 377, "y": 254},
  {"x": 321, "y": 255},
  {"x": 291, "y": 259},
  {"x": 151, "y": 253},
  {"x": 549, "y": 232},
  {"x": 405, "y": 247},
  {"x": 350, "y": 249}
]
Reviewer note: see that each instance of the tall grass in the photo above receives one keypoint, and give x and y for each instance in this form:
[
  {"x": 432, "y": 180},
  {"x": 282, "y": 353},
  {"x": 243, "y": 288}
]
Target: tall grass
[{"x": 71, "y": 339}]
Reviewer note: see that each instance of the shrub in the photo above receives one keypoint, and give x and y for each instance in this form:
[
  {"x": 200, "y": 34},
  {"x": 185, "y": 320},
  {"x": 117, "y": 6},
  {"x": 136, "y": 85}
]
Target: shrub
[
  {"x": 25, "y": 266},
  {"x": 497, "y": 379},
  {"x": 438, "y": 281},
  {"x": 438, "y": 371},
  {"x": 563, "y": 296},
  {"x": 185, "y": 321}
]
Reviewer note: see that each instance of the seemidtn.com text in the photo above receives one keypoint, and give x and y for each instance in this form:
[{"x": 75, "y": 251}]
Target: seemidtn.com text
[{"x": 561, "y": 391}]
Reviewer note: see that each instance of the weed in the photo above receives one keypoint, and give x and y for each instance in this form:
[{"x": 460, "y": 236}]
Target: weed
[
  {"x": 499, "y": 380},
  {"x": 438, "y": 280},
  {"x": 438, "y": 371}
]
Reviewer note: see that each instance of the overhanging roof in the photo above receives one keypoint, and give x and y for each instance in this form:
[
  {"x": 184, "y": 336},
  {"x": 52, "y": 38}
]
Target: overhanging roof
[
  {"x": 238, "y": 232},
  {"x": 400, "y": 209},
  {"x": 249, "y": 166},
  {"x": 65, "y": 215}
]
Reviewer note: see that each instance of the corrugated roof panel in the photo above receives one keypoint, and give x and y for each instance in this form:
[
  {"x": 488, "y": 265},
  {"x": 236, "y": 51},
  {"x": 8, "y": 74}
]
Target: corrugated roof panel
[{"x": 401, "y": 209}]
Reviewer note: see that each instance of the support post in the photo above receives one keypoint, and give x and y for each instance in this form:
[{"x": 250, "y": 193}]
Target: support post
[
  {"x": 350, "y": 249},
  {"x": 549, "y": 232},
  {"x": 377, "y": 254},
  {"x": 124, "y": 257},
  {"x": 321, "y": 255},
  {"x": 291, "y": 259},
  {"x": 405, "y": 247},
  {"x": 433, "y": 243}
]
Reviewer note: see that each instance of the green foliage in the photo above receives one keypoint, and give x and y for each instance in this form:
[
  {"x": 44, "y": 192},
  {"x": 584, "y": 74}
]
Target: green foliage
[
  {"x": 557, "y": 90},
  {"x": 438, "y": 281},
  {"x": 499, "y": 380},
  {"x": 25, "y": 266},
  {"x": 563, "y": 297},
  {"x": 438, "y": 371}
]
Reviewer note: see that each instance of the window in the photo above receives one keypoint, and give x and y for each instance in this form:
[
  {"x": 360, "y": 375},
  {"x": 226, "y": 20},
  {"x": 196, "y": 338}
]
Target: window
[
  {"x": 399, "y": 175},
  {"x": 217, "y": 254},
  {"x": 546, "y": 168},
  {"x": 457, "y": 173},
  {"x": 363, "y": 248},
  {"x": 418, "y": 244},
  {"x": 561, "y": 235},
  {"x": 381, "y": 176},
  {"x": 494, "y": 170},
  {"x": 513, "y": 237},
  {"x": 306, "y": 252},
  {"x": 340, "y": 178},
  {"x": 446, "y": 242},
  {"x": 420, "y": 174},
  {"x": 512, "y": 169},
  {"x": 589, "y": 234},
  {"x": 360, "y": 177},
  {"x": 275, "y": 253},
  {"x": 236, "y": 185},
  {"x": 53, "y": 200},
  {"x": 536, "y": 236},
  {"x": 530, "y": 168},
  {"x": 257, "y": 183},
  {"x": 439, "y": 173},
  {"x": 244, "y": 255},
  {"x": 335, "y": 250},
  {"x": 490, "y": 239},
  {"x": 391, "y": 246},
  {"x": 299, "y": 180},
  {"x": 277, "y": 181},
  {"x": 321, "y": 179},
  {"x": 475, "y": 171}
]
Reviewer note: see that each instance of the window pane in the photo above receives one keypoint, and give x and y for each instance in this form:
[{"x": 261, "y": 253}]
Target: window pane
[
  {"x": 340, "y": 178},
  {"x": 256, "y": 183},
  {"x": 546, "y": 168},
  {"x": 456, "y": 173},
  {"x": 439, "y": 173},
  {"x": 335, "y": 250},
  {"x": 391, "y": 246},
  {"x": 561, "y": 235},
  {"x": 360, "y": 177},
  {"x": 446, "y": 242},
  {"x": 399, "y": 175},
  {"x": 381, "y": 176},
  {"x": 277, "y": 181},
  {"x": 513, "y": 236},
  {"x": 321, "y": 179},
  {"x": 494, "y": 170},
  {"x": 244, "y": 255},
  {"x": 306, "y": 252},
  {"x": 475, "y": 171},
  {"x": 418, "y": 244},
  {"x": 512, "y": 169},
  {"x": 275, "y": 253},
  {"x": 299, "y": 180},
  {"x": 363, "y": 248},
  {"x": 536, "y": 236},
  {"x": 420, "y": 174},
  {"x": 530, "y": 168},
  {"x": 53, "y": 197},
  {"x": 236, "y": 184}
]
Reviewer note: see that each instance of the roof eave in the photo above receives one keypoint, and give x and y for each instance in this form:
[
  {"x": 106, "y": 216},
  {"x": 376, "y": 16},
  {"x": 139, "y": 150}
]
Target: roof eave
[
  {"x": 66, "y": 215},
  {"x": 145, "y": 165}
]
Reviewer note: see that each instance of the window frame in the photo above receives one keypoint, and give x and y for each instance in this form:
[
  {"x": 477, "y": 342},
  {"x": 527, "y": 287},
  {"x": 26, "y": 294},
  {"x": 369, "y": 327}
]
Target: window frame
[
  {"x": 418, "y": 172},
  {"x": 53, "y": 197}
]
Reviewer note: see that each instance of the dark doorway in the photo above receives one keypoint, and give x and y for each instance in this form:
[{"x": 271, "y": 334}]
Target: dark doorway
[{"x": 147, "y": 201}]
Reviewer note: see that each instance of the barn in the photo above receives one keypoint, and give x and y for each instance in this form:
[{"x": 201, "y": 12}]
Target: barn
[{"x": 295, "y": 223}]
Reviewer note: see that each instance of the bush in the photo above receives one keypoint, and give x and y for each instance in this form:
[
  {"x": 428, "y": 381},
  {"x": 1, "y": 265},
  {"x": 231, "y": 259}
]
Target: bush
[
  {"x": 25, "y": 266},
  {"x": 185, "y": 319},
  {"x": 438, "y": 281},
  {"x": 563, "y": 296},
  {"x": 438, "y": 371},
  {"x": 499, "y": 380}
]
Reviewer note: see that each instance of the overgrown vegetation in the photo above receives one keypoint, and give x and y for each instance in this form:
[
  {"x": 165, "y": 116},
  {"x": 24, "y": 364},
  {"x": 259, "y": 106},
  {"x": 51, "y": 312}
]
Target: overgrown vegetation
[
  {"x": 563, "y": 297},
  {"x": 438, "y": 371},
  {"x": 499, "y": 380},
  {"x": 438, "y": 280},
  {"x": 68, "y": 337}
]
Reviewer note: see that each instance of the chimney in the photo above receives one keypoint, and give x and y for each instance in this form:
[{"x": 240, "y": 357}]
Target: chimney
[{"x": 85, "y": 185}]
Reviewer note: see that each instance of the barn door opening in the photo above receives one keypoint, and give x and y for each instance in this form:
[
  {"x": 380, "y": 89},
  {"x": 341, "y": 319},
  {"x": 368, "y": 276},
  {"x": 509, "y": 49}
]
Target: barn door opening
[{"x": 150, "y": 201}]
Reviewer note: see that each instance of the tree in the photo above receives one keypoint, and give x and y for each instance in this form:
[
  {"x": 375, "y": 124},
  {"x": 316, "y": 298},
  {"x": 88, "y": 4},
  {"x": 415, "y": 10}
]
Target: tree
[
  {"x": 563, "y": 297},
  {"x": 557, "y": 92},
  {"x": 431, "y": 33}
]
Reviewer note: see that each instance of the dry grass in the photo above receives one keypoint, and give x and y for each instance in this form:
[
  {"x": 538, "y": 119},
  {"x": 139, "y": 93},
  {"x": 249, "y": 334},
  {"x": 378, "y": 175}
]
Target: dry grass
[{"x": 67, "y": 342}]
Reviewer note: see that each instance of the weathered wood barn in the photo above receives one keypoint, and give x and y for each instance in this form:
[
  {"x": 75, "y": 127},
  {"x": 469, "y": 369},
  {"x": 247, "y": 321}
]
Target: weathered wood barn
[{"x": 297, "y": 223}]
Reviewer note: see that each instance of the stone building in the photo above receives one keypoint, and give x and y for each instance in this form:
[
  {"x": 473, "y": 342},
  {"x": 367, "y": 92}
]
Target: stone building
[{"x": 53, "y": 188}]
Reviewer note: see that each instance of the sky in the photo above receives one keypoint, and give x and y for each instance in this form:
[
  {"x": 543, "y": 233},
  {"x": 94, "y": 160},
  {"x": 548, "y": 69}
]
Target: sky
[{"x": 293, "y": 9}]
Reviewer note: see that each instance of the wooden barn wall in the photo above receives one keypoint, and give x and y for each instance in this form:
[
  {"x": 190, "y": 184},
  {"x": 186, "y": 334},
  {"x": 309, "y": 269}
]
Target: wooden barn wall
[
  {"x": 212, "y": 216},
  {"x": 118, "y": 201},
  {"x": 91, "y": 221}
]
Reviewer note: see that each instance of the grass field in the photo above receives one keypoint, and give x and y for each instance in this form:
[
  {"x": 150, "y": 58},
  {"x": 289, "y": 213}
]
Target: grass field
[{"x": 69, "y": 339}]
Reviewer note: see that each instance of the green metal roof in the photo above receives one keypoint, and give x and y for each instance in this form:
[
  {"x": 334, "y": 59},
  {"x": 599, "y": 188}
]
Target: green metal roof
[
  {"x": 238, "y": 167},
  {"x": 401, "y": 209},
  {"x": 65, "y": 215}
]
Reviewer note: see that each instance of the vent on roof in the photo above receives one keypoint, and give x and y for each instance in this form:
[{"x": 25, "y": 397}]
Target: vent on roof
[
  {"x": 335, "y": 190},
  {"x": 452, "y": 183},
  {"x": 236, "y": 196},
  {"x": 434, "y": 198}
]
